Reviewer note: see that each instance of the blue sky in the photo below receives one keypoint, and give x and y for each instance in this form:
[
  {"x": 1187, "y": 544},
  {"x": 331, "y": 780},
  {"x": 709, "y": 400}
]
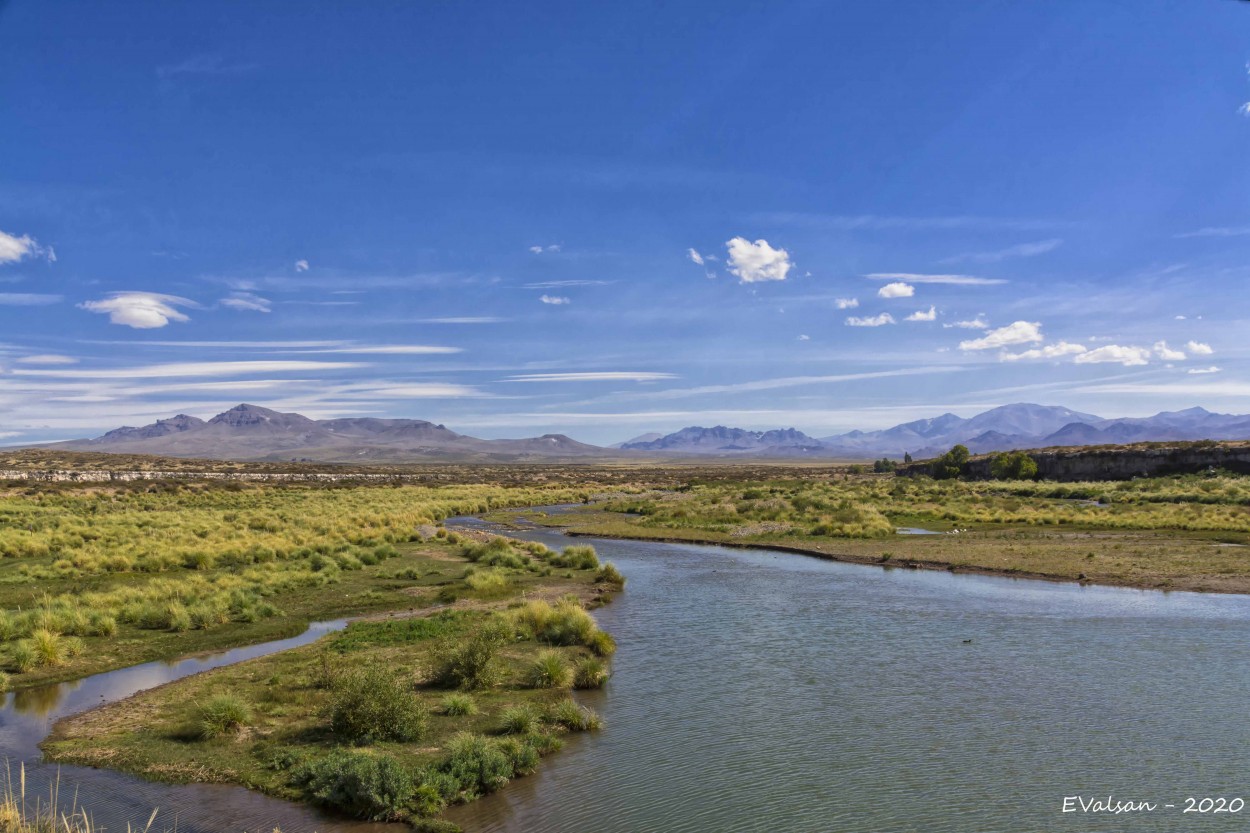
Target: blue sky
[{"x": 489, "y": 215}]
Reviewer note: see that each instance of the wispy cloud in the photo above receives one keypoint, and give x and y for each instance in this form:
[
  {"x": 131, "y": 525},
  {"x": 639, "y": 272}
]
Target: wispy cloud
[
  {"x": 140, "y": 310},
  {"x": 879, "y": 222},
  {"x": 1050, "y": 351},
  {"x": 247, "y": 301},
  {"x": 192, "y": 369},
  {"x": 27, "y": 299},
  {"x": 1217, "y": 231},
  {"x": 1199, "y": 371},
  {"x": 468, "y": 319},
  {"x": 1040, "y": 247},
  {"x": 389, "y": 349},
  {"x": 757, "y": 262},
  {"x": 47, "y": 358},
  {"x": 870, "y": 321},
  {"x": 952, "y": 280},
  {"x": 555, "y": 300},
  {"x": 978, "y": 323},
  {"x": 301, "y": 265},
  {"x": 593, "y": 376},
  {"x": 561, "y": 284},
  {"x": 205, "y": 64},
  {"x": 845, "y": 303},
  {"x": 790, "y": 382},
  {"x": 551, "y": 249}
]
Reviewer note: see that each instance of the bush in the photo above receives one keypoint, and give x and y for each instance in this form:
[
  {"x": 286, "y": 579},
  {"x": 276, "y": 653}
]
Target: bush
[
  {"x": 476, "y": 764},
  {"x": 549, "y": 670},
  {"x": 376, "y": 704},
  {"x": 1015, "y": 465},
  {"x": 590, "y": 673},
  {"x": 577, "y": 557},
  {"x": 459, "y": 705},
  {"x": 473, "y": 663},
  {"x": 608, "y": 574},
  {"x": 486, "y": 582},
  {"x": 951, "y": 464},
  {"x": 374, "y": 787},
  {"x": 224, "y": 714},
  {"x": 518, "y": 720},
  {"x": 574, "y": 717}
]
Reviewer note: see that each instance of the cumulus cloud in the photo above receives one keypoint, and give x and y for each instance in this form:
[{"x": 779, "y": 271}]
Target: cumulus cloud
[
  {"x": 1199, "y": 349},
  {"x": 1167, "y": 353},
  {"x": 1200, "y": 371},
  {"x": 1050, "y": 351},
  {"x": 896, "y": 290},
  {"x": 247, "y": 301},
  {"x": 301, "y": 265},
  {"x": 758, "y": 261},
  {"x": 554, "y": 299},
  {"x": 846, "y": 303},
  {"x": 1115, "y": 354},
  {"x": 14, "y": 248},
  {"x": 1017, "y": 332},
  {"x": 140, "y": 310},
  {"x": 978, "y": 323},
  {"x": 870, "y": 321},
  {"x": 922, "y": 315}
]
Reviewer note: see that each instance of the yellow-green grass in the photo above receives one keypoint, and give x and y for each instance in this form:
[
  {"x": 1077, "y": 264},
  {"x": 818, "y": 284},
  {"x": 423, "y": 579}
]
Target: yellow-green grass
[{"x": 285, "y": 708}]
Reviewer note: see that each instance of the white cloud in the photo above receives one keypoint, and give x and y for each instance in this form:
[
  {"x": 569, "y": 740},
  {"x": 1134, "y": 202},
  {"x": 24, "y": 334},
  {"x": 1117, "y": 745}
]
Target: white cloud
[
  {"x": 694, "y": 256},
  {"x": 1117, "y": 354},
  {"x": 47, "y": 358},
  {"x": 246, "y": 301},
  {"x": 952, "y": 280},
  {"x": 896, "y": 290},
  {"x": 536, "y": 249},
  {"x": 1218, "y": 231},
  {"x": 1198, "y": 371},
  {"x": 978, "y": 323},
  {"x": 140, "y": 310},
  {"x": 27, "y": 299},
  {"x": 594, "y": 376},
  {"x": 389, "y": 349},
  {"x": 301, "y": 265},
  {"x": 1199, "y": 349},
  {"x": 1167, "y": 353},
  {"x": 555, "y": 247},
  {"x": 921, "y": 315},
  {"x": 1180, "y": 318},
  {"x": 469, "y": 319},
  {"x": 191, "y": 369},
  {"x": 1050, "y": 351},
  {"x": 1018, "y": 332},
  {"x": 758, "y": 261},
  {"x": 557, "y": 284},
  {"x": 1023, "y": 250},
  {"x": 554, "y": 299},
  {"x": 870, "y": 321},
  {"x": 805, "y": 338},
  {"x": 14, "y": 248},
  {"x": 846, "y": 303}
]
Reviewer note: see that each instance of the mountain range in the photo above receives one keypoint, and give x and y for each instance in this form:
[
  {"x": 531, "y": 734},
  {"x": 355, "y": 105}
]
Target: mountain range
[
  {"x": 1009, "y": 427},
  {"x": 250, "y": 432}
]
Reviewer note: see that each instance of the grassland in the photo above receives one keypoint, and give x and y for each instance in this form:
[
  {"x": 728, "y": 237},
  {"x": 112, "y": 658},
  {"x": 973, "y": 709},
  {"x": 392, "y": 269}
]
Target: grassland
[{"x": 1186, "y": 532}]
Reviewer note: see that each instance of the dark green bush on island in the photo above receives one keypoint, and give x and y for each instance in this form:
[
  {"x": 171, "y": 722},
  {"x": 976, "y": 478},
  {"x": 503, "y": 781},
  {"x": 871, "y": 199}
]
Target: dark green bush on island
[{"x": 374, "y": 787}]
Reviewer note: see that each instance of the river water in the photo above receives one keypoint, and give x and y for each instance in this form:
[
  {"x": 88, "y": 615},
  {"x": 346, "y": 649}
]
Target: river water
[{"x": 761, "y": 691}]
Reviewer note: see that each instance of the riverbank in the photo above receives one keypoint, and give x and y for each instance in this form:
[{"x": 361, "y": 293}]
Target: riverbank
[
  {"x": 397, "y": 716},
  {"x": 1199, "y": 561}
]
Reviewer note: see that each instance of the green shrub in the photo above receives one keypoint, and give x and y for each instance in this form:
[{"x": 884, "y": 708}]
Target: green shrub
[
  {"x": 374, "y": 787},
  {"x": 486, "y": 582},
  {"x": 1016, "y": 465},
  {"x": 549, "y": 670},
  {"x": 472, "y": 663},
  {"x": 601, "y": 644},
  {"x": 577, "y": 557},
  {"x": 476, "y": 765},
  {"x": 459, "y": 705},
  {"x": 376, "y": 704},
  {"x": 224, "y": 714},
  {"x": 590, "y": 673},
  {"x": 574, "y": 717}
]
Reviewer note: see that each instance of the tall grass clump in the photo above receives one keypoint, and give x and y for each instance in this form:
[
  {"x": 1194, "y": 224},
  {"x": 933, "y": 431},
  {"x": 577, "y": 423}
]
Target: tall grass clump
[
  {"x": 576, "y": 557},
  {"x": 376, "y": 704},
  {"x": 573, "y": 716},
  {"x": 459, "y": 705},
  {"x": 549, "y": 670},
  {"x": 608, "y": 574},
  {"x": 590, "y": 673},
  {"x": 225, "y": 714},
  {"x": 487, "y": 582},
  {"x": 518, "y": 720}
]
